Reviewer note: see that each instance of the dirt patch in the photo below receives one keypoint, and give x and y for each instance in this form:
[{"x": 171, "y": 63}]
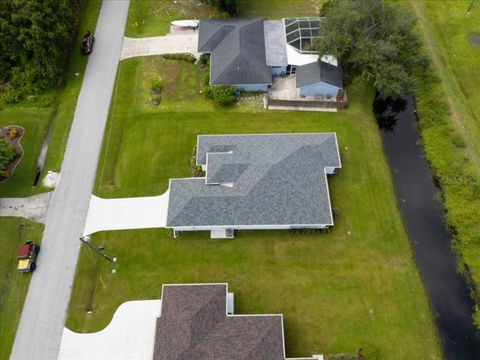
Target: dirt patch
[
  {"x": 474, "y": 40},
  {"x": 5, "y": 133}
]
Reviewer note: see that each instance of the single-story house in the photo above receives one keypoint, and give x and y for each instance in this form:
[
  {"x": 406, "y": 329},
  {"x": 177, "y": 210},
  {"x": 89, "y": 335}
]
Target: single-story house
[
  {"x": 263, "y": 181},
  {"x": 249, "y": 53},
  {"x": 197, "y": 322},
  {"x": 189, "y": 322}
]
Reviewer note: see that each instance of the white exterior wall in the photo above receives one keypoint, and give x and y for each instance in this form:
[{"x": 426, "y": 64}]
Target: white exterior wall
[
  {"x": 251, "y": 87},
  {"x": 278, "y": 70},
  {"x": 319, "y": 89},
  {"x": 250, "y": 227}
]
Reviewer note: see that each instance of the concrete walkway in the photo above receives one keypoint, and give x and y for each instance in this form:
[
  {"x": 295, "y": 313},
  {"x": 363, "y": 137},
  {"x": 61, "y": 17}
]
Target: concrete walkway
[
  {"x": 126, "y": 213},
  {"x": 33, "y": 207},
  {"x": 173, "y": 43},
  {"x": 43, "y": 317},
  {"x": 129, "y": 336}
]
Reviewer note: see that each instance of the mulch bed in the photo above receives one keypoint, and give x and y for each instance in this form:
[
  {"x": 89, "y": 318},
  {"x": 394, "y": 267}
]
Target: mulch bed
[
  {"x": 474, "y": 40},
  {"x": 4, "y": 133}
]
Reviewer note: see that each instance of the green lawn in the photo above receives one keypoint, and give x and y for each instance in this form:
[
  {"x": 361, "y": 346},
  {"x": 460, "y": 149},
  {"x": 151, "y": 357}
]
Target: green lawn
[
  {"x": 13, "y": 285},
  {"x": 450, "y": 121},
  {"x": 37, "y": 120},
  {"x": 337, "y": 291},
  {"x": 153, "y": 17},
  {"x": 278, "y": 9}
]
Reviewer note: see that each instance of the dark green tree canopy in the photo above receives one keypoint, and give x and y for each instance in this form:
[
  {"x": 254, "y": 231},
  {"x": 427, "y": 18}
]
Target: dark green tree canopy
[
  {"x": 35, "y": 36},
  {"x": 228, "y": 6},
  {"x": 375, "y": 39}
]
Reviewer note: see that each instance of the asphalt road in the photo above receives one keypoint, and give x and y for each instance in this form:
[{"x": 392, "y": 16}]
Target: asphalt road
[{"x": 43, "y": 317}]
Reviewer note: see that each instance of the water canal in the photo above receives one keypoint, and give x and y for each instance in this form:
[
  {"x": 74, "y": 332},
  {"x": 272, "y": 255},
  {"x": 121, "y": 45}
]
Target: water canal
[{"x": 423, "y": 216}]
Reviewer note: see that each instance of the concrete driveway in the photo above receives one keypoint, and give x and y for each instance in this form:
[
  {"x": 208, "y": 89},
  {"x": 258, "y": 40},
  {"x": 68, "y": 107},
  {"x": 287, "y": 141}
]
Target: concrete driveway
[
  {"x": 173, "y": 43},
  {"x": 41, "y": 324},
  {"x": 33, "y": 207},
  {"x": 126, "y": 213},
  {"x": 129, "y": 336}
]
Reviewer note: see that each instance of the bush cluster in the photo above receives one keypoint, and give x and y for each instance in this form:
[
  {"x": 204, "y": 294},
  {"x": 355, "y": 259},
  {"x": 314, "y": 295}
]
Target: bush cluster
[
  {"x": 184, "y": 57},
  {"x": 221, "y": 95},
  {"x": 35, "y": 37},
  {"x": 156, "y": 87}
]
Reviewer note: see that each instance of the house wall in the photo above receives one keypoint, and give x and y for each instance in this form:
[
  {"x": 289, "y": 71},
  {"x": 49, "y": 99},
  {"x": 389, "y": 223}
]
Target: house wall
[
  {"x": 319, "y": 89},
  {"x": 278, "y": 70},
  {"x": 251, "y": 87},
  {"x": 250, "y": 227}
]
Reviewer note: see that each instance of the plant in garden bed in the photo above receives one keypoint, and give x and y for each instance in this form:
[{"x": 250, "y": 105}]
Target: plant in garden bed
[
  {"x": 11, "y": 151},
  {"x": 7, "y": 154},
  {"x": 156, "y": 87},
  {"x": 196, "y": 169},
  {"x": 184, "y": 57}
]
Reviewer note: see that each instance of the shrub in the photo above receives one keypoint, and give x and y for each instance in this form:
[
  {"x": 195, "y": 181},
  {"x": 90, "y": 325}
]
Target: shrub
[
  {"x": 7, "y": 153},
  {"x": 183, "y": 57},
  {"x": 368, "y": 352},
  {"x": 156, "y": 86},
  {"x": 223, "y": 95},
  {"x": 204, "y": 59},
  {"x": 156, "y": 100}
]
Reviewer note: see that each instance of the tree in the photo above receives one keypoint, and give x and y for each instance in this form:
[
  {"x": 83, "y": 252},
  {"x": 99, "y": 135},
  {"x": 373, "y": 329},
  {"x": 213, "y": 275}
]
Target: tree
[
  {"x": 35, "y": 35},
  {"x": 375, "y": 39},
  {"x": 7, "y": 153},
  {"x": 229, "y": 6}
]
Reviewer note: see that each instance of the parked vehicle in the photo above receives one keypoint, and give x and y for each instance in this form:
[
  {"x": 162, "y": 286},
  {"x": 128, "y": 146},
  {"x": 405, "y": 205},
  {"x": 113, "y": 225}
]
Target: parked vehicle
[
  {"x": 87, "y": 43},
  {"x": 27, "y": 256}
]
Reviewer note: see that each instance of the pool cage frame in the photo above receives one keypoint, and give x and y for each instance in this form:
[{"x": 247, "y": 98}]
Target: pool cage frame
[{"x": 300, "y": 33}]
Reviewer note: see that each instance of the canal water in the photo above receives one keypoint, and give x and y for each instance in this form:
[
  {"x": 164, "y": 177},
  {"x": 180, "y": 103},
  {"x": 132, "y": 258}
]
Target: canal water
[{"x": 423, "y": 216}]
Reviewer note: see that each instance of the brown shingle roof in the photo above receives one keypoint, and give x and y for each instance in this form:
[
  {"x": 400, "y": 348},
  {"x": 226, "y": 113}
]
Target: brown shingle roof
[{"x": 194, "y": 325}]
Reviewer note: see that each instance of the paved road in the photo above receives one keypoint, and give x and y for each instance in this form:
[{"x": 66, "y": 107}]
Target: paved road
[{"x": 41, "y": 325}]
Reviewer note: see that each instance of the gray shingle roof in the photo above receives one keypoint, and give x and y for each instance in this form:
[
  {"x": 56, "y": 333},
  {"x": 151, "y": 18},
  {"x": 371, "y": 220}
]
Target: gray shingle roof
[
  {"x": 319, "y": 72},
  {"x": 194, "y": 325},
  {"x": 278, "y": 179},
  {"x": 237, "y": 48}
]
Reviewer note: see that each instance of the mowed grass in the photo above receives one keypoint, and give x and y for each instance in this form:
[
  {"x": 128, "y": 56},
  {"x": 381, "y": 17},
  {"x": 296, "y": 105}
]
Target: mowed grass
[
  {"x": 58, "y": 116},
  {"x": 13, "y": 285},
  {"x": 278, "y": 9},
  {"x": 353, "y": 287},
  {"x": 153, "y": 17},
  {"x": 446, "y": 26}
]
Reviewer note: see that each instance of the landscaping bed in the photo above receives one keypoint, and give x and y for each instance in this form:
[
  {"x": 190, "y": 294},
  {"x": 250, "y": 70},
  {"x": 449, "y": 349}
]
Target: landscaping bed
[{"x": 12, "y": 135}]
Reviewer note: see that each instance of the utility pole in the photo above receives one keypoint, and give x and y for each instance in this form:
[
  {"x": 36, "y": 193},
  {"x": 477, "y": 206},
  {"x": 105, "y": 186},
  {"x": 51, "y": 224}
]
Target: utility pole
[{"x": 86, "y": 240}]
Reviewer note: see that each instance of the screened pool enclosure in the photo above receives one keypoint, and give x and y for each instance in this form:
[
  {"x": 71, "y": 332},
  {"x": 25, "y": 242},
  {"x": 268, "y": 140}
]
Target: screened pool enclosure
[{"x": 301, "y": 33}]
